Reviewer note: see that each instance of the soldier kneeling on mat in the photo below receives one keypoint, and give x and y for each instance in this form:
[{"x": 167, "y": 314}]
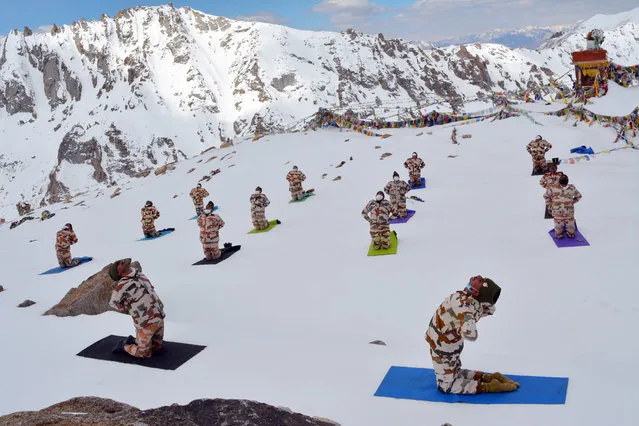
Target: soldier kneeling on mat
[
  {"x": 133, "y": 294},
  {"x": 455, "y": 321}
]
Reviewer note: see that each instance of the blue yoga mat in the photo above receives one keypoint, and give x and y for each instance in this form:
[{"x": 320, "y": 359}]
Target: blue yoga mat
[
  {"x": 419, "y": 384},
  {"x": 420, "y": 186},
  {"x": 162, "y": 233},
  {"x": 59, "y": 269},
  {"x": 196, "y": 216}
]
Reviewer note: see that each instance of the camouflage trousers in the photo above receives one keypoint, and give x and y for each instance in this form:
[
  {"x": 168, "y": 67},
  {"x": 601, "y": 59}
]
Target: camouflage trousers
[
  {"x": 149, "y": 230},
  {"x": 539, "y": 165},
  {"x": 211, "y": 246},
  {"x": 568, "y": 224},
  {"x": 199, "y": 208},
  {"x": 64, "y": 258},
  {"x": 147, "y": 339},
  {"x": 297, "y": 193},
  {"x": 259, "y": 218},
  {"x": 450, "y": 377},
  {"x": 380, "y": 234},
  {"x": 400, "y": 204},
  {"x": 415, "y": 179}
]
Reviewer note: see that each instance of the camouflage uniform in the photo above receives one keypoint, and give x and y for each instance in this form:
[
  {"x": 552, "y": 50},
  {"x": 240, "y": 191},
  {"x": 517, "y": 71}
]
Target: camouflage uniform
[
  {"x": 259, "y": 202},
  {"x": 561, "y": 200},
  {"x": 198, "y": 195},
  {"x": 537, "y": 150},
  {"x": 63, "y": 240},
  {"x": 295, "y": 179},
  {"x": 415, "y": 166},
  {"x": 454, "y": 321},
  {"x": 133, "y": 294},
  {"x": 149, "y": 214},
  {"x": 397, "y": 191},
  {"x": 378, "y": 213},
  {"x": 210, "y": 225},
  {"x": 550, "y": 179}
]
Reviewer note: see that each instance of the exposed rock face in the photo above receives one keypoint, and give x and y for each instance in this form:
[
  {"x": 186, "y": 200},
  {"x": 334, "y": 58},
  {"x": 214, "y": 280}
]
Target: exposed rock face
[
  {"x": 91, "y": 297},
  {"x": 23, "y": 208},
  {"x": 77, "y": 151},
  {"x": 204, "y": 412}
]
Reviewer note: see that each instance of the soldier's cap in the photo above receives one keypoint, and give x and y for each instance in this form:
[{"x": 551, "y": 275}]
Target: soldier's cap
[
  {"x": 488, "y": 292},
  {"x": 563, "y": 180},
  {"x": 414, "y": 154},
  {"x": 395, "y": 174},
  {"x": 68, "y": 226},
  {"x": 149, "y": 203},
  {"x": 539, "y": 137},
  {"x": 199, "y": 185},
  {"x": 258, "y": 189},
  {"x": 294, "y": 167},
  {"x": 113, "y": 269}
]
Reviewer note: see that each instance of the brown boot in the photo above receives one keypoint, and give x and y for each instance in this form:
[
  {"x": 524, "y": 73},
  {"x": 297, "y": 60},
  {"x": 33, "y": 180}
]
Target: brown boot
[
  {"x": 487, "y": 378},
  {"x": 494, "y": 386}
]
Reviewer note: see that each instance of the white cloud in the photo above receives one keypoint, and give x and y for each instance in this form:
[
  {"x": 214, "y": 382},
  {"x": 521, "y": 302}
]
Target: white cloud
[
  {"x": 43, "y": 29},
  {"x": 345, "y": 6},
  {"x": 262, "y": 16}
]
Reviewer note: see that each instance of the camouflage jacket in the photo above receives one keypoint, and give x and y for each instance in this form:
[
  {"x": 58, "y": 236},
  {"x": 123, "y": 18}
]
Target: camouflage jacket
[
  {"x": 379, "y": 212},
  {"x": 198, "y": 195},
  {"x": 550, "y": 179},
  {"x": 210, "y": 225},
  {"x": 64, "y": 238},
  {"x": 456, "y": 319},
  {"x": 397, "y": 189},
  {"x": 538, "y": 149},
  {"x": 562, "y": 200},
  {"x": 295, "y": 179},
  {"x": 259, "y": 201},
  {"x": 149, "y": 214},
  {"x": 134, "y": 294},
  {"x": 414, "y": 165}
]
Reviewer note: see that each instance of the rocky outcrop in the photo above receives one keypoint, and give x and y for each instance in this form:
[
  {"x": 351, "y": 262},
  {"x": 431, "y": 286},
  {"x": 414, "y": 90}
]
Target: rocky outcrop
[
  {"x": 23, "y": 208},
  {"x": 91, "y": 297},
  {"x": 15, "y": 97},
  {"x": 77, "y": 151},
  {"x": 204, "y": 412},
  {"x": 283, "y": 81},
  {"x": 56, "y": 190}
]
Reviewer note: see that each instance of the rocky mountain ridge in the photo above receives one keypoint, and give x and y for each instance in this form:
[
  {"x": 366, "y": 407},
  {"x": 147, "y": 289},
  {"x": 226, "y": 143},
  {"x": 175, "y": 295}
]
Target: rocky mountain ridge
[{"x": 94, "y": 102}]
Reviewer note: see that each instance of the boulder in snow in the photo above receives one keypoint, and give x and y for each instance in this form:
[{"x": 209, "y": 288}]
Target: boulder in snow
[
  {"x": 91, "y": 297},
  {"x": 26, "y": 303},
  {"x": 94, "y": 410}
]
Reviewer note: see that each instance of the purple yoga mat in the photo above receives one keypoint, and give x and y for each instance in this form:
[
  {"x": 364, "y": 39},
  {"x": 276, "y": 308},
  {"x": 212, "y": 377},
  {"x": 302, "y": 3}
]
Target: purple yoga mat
[
  {"x": 409, "y": 214},
  {"x": 578, "y": 241}
]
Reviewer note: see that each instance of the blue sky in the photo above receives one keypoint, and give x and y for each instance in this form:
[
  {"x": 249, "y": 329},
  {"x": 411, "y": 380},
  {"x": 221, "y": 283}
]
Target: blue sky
[{"x": 411, "y": 19}]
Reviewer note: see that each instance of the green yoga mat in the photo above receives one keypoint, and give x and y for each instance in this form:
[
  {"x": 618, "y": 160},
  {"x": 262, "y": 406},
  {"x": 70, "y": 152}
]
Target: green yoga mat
[
  {"x": 310, "y": 194},
  {"x": 271, "y": 225},
  {"x": 391, "y": 250}
]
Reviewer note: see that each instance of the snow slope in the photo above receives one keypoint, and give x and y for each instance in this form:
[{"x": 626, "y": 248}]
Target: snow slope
[{"x": 287, "y": 320}]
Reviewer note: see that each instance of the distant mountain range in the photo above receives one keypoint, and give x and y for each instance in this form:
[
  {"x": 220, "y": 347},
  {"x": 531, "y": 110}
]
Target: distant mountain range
[{"x": 528, "y": 37}]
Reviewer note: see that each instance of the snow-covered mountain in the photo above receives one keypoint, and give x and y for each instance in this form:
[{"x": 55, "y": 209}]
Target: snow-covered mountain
[
  {"x": 93, "y": 102},
  {"x": 529, "y": 37}
]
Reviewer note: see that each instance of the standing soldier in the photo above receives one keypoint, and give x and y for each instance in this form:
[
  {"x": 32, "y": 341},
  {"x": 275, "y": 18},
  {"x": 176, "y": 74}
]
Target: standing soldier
[
  {"x": 149, "y": 214},
  {"x": 453, "y": 136},
  {"x": 397, "y": 190},
  {"x": 378, "y": 212},
  {"x": 259, "y": 202},
  {"x": 550, "y": 178},
  {"x": 561, "y": 200},
  {"x": 537, "y": 150},
  {"x": 455, "y": 321},
  {"x": 210, "y": 225},
  {"x": 63, "y": 241},
  {"x": 295, "y": 179},
  {"x": 198, "y": 195},
  {"x": 415, "y": 166},
  {"x": 134, "y": 295}
]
